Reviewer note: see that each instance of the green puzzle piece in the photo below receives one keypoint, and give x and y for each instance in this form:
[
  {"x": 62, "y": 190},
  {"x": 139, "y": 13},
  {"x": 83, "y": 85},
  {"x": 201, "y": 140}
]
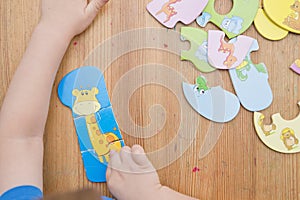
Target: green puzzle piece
[
  {"x": 197, "y": 54},
  {"x": 234, "y": 23}
]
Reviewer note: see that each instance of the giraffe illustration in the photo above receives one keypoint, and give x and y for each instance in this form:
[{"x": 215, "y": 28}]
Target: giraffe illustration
[
  {"x": 227, "y": 48},
  {"x": 168, "y": 9},
  {"x": 86, "y": 104}
]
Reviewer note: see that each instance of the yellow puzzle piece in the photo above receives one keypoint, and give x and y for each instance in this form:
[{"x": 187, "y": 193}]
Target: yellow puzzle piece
[{"x": 282, "y": 135}]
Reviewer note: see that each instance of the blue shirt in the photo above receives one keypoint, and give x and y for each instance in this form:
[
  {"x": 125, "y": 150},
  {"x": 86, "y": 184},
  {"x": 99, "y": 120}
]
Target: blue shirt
[{"x": 27, "y": 192}]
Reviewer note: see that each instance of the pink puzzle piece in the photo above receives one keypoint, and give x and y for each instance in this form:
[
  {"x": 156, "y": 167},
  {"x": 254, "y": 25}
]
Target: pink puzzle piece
[
  {"x": 296, "y": 66},
  {"x": 223, "y": 55},
  {"x": 169, "y": 12}
]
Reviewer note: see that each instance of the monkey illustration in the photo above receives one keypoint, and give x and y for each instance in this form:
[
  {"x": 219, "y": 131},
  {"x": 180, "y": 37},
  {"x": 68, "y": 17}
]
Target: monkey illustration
[
  {"x": 288, "y": 138},
  {"x": 293, "y": 20},
  {"x": 267, "y": 129}
]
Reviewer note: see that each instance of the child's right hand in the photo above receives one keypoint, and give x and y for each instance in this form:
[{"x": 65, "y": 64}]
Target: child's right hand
[
  {"x": 130, "y": 175},
  {"x": 69, "y": 17}
]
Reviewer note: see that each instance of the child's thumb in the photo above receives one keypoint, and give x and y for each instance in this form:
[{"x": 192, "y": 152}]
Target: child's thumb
[{"x": 94, "y": 6}]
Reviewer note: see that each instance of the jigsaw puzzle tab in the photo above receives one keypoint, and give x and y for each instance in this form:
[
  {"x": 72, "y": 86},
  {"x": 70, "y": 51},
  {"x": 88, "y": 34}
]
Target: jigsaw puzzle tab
[
  {"x": 84, "y": 92},
  {"x": 215, "y": 104},
  {"x": 197, "y": 53},
  {"x": 223, "y": 55},
  {"x": 169, "y": 12},
  {"x": 281, "y": 135},
  {"x": 251, "y": 84},
  {"x": 237, "y": 21}
]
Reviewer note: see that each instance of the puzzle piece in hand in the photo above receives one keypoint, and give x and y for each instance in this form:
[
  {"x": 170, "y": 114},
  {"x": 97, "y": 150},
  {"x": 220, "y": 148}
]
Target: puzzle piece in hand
[
  {"x": 169, "y": 12},
  {"x": 282, "y": 135},
  {"x": 84, "y": 92},
  {"x": 251, "y": 84},
  {"x": 223, "y": 55},
  {"x": 237, "y": 21},
  {"x": 285, "y": 14},
  {"x": 267, "y": 28},
  {"x": 296, "y": 66},
  {"x": 215, "y": 104},
  {"x": 197, "y": 54}
]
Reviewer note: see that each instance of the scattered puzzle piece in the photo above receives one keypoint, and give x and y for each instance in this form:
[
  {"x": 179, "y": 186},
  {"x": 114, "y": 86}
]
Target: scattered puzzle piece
[
  {"x": 223, "y": 55},
  {"x": 84, "y": 92},
  {"x": 285, "y": 14},
  {"x": 237, "y": 21},
  {"x": 267, "y": 28},
  {"x": 197, "y": 54},
  {"x": 215, "y": 104},
  {"x": 169, "y": 12},
  {"x": 282, "y": 135},
  {"x": 296, "y": 66},
  {"x": 251, "y": 84}
]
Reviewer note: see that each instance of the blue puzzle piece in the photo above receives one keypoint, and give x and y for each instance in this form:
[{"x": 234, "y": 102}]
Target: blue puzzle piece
[
  {"x": 251, "y": 84},
  {"x": 215, "y": 104},
  {"x": 203, "y": 19},
  {"x": 84, "y": 92}
]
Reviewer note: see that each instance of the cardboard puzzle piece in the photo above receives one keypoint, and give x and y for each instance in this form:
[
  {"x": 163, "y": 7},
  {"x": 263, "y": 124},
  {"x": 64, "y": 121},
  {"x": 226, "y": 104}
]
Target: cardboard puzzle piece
[
  {"x": 237, "y": 21},
  {"x": 267, "y": 28},
  {"x": 281, "y": 135},
  {"x": 296, "y": 66},
  {"x": 169, "y": 12},
  {"x": 84, "y": 92},
  {"x": 215, "y": 104},
  {"x": 197, "y": 54},
  {"x": 285, "y": 14},
  {"x": 250, "y": 82},
  {"x": 223, "y": 55}
]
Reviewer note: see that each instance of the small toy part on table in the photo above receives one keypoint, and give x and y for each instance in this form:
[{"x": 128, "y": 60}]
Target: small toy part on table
[
  {"x": 169, "y": 12},
  {"x": 215, "y": 104},
  {"x": 197, "y": 54},
  {"x": 234, "y": 23},
  {"x": 281, "y": 135},
  {"x": 296, "y": 66},
  {"x": 251, "y": 84},
  {"x": 223, "y": 55},
  {"x": 267, "y": 28},
  {"x": 285, "y": 14}
]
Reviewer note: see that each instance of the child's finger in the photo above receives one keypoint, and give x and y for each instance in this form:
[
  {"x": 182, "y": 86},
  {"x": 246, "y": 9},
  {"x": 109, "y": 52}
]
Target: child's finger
[{"x": 94, "y": 6}]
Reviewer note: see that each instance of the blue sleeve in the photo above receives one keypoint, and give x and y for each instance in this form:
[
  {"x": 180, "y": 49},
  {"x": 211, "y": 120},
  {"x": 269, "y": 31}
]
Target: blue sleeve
[
  {"x": 25, "y": 192},
  {"x": 106, "y": 198}
]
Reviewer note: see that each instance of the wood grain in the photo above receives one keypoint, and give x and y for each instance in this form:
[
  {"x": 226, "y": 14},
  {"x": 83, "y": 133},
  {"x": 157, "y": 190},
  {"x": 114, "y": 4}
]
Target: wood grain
[{"x": 240, "y": 166}]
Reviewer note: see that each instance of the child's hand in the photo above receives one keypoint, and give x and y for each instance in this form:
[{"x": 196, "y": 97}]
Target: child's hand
[{"x": 69, "y": 17}]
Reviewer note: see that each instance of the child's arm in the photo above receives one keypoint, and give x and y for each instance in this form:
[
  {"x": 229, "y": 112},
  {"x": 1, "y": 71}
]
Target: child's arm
[{"x": 25, "y": 108}]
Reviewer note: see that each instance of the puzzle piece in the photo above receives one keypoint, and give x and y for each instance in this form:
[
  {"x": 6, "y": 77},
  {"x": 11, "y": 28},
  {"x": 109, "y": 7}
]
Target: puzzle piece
[
  {"x": 169, "y": 12},
  {"x": 285, "y": 14},
  {"x": 84, "y": 92},
  {"x": 237, "y": 21},
  {"x": 267, "y": 28},
  {"x": 223, "y": 55},
  {"x": 296, "y": 66},
  {"x": 251, "y": 84},
  {"x": 215, "y": 104},
  {"x": 282, "y": 135},
  {"x": 197, "y": 54}
]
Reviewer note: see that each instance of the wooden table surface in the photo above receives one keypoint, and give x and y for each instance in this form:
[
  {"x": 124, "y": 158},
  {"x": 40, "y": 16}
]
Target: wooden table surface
[{"x": 238, "y": 167}]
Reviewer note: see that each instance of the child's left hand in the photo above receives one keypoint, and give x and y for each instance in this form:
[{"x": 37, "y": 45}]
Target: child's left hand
[{"x": 69, "y": 17}]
